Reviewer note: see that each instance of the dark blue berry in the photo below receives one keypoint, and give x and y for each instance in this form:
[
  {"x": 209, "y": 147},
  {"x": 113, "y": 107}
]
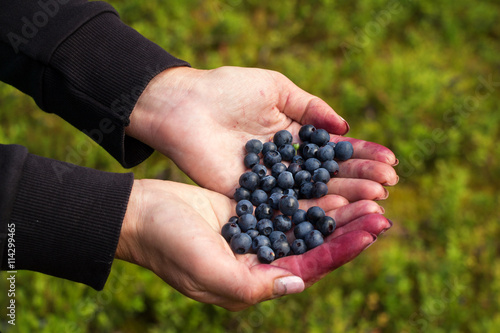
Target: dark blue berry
[
  {"x": 241, "y": 243},
  {"x": 247, "y": 222},
  {"x": 275, "y": 235},
  {"x": 271, "y": 158},
  {"x": 325, "y": 153},
  {"x": 288, "y": 205},
  {"x": 250, "y": 160},
  {"x": 302, "y": 229},
  {"x": 260, "y": 170},
  {"x": 263, "y": 211},
  {"x": 326, "y": 225},
  {"x": 244, "y": 207},
  {"x": 265, "y": 255},
  {"x": 282, "y": 223},
  {"x": 306, "y": 131},
  {"x": 265, "y": 227},
  {"x": 298, "y": 160},
  {"x": 306, "y": 190},
  {"x": 299, "y": 216},
  {"x": 300, "y": 151},
  {"x": 267, "y": 183},
  {"x": 253, "y": 146},
  {"x": 320, "y": 137},
  {"x": 331, "y": 144},
  {"x": 259, "y": 241},
  {"x": 241, "y": 193},
  {"x": 274, "y": 200},
  {"x": 321, "y": 175},
  {"x": 313, "y": 239},
  {"x": 277, "y": 190},
  {"x": 332, "y": 167},
  {"x": 229, "y": 230},
  {"x": 343, "y": 150},
  {"x": 302, "y": 177},
  {"x": 319, "y": 190},
  {"x": 314, "y": 214},
  {"x": 233, "y": 219},
  {"x": 252, "y": 233},
  {"x": 269, "y": 146},
  {"x": 299, "y": 246},
  {"x": 287, "y": 152},
  {"x": 277, "y": 169},
  {"x": 309, "y": 151},
  {"x": 258, "y": 197},
  {"x": 282, "y": 138},
  {"x": 290, "y": 192},
  {"x": 311, "y": 164},
  {"x": 285, "y": 180},
  {"x": 293, "y": 168},
  {"x": 249, "y": 180},
  {"x": 281, "y": 248}
]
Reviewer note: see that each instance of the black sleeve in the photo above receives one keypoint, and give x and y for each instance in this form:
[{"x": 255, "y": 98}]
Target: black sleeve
[
  {"x": 66, "y": 218},
  {"x": 79, "y": 60}
]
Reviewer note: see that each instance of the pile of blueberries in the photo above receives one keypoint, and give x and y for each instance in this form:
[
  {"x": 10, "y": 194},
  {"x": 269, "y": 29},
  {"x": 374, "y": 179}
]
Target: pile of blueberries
[{"x": 267, "y": 199}]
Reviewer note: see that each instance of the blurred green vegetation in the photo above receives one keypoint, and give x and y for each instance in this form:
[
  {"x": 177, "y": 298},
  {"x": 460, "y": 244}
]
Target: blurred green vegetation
[{"x": 421, "y": 77}]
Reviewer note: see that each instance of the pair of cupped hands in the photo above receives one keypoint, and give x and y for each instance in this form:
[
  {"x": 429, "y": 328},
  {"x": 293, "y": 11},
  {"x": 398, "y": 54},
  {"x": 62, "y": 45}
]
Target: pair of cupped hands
[{"x": 201, "y": 120}]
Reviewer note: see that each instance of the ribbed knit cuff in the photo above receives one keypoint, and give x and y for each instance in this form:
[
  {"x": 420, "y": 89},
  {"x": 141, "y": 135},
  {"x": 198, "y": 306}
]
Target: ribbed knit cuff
[
  {"x": 99, "y": 73},
  {"x": 68, "y": 219}
]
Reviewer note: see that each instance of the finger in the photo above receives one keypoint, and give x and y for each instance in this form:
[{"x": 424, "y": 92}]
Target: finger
[
  {"x": 355, "y": 210},
  {"x": 328, "y": 202},
  {"x": 369, "y": 150},
  {"x": 308, "y": 109},
  {"x": 316, "y": 263},
  {"x": 379, "y": 172},
  {"x": 372, "y": 223},
  {"x": 354, "y": 189}
]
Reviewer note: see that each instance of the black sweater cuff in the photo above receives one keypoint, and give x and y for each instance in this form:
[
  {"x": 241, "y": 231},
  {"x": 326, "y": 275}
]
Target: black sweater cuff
[{"x": 68, "y": 219}]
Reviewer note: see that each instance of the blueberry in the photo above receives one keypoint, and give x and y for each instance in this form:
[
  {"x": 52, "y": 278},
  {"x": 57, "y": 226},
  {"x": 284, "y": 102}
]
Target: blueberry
[
  {"x": 244, "y": 207},
  {"x": 312, "y": 164},
  {"x": 263, "y": 211},
  {"x": 306, "y": 131},
  {"x": 253, "y": 146},
  {"x": 285, "y": 180},
  {"x": 274, "y": 200},
  {"x": 309, "y": 151},
  {"x": 298, "y": 160},
  {"x": 247, "y": 222},
  {"x": 300, "y": 150},
  {"x": 287, "y": 152},
  {"x": 302, "y": 177},
  {"x": 319, "y": 190},
  {"x": 241, "y": 243},
  {"x": 259, "y": 241},
  {"x": 293, "y": 168},
  {"x": 299, "y": 246},
  {"x": 277, "y": 190},
  {"x": 314, "y": 214},
  {"x": 282, "y": 223},
  {"x": 269, "y": 146},
  {"x": 281, "y": 248},
  {"x": 302, "y": 229},
  {"x": 267, "y": 183},
  {"x": 258, "y": 197},
  {"x": 233, "y": 219},
  {"x": 282, "y": 137},
  {"x": 275, "y": 235},
  {"x": 306, "y": 190},
  {"x": 260, "y": 170},
  {"x": 313, "y": 239},
  {"x": 290, "y": 192},
  {"x": 320, "y": 137},
  {"x": 325, "y": 153},
  {"x": 332, "y": 167},
  {"x": 250, "y": 160},
  {"x": 265, "y": 255},
  {"x": 288, "y": 205},
  {"x": 343, "y": 150},
  {"x": 229, "y": 230},
  {"x": 326, "y": 225},
  {"x": 241, "y": 193},
  {"x": 271, "y": 158},
  {"x": 299, "y": 216},
  {"x": 252, "y": 233},
  {"x": 249, "y": 180},
  {"x": 331, "y": 144},
  {"x": 321, "y": 175},
  {"x": 265, "y": 227},
  {"x": 277, "y": 169}
]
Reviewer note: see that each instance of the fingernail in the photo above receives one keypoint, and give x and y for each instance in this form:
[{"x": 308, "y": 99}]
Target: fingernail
[
  {"x": 392, "y": 184},
  {"x": 396, "y": 163},
  {"x": 382, "y": 209},
  {"x": 288, "y": 285},
  {"x": 389, "y": 227},
  {"x": 385, "y": 196},
  {"x": 374, "y": 240}
]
